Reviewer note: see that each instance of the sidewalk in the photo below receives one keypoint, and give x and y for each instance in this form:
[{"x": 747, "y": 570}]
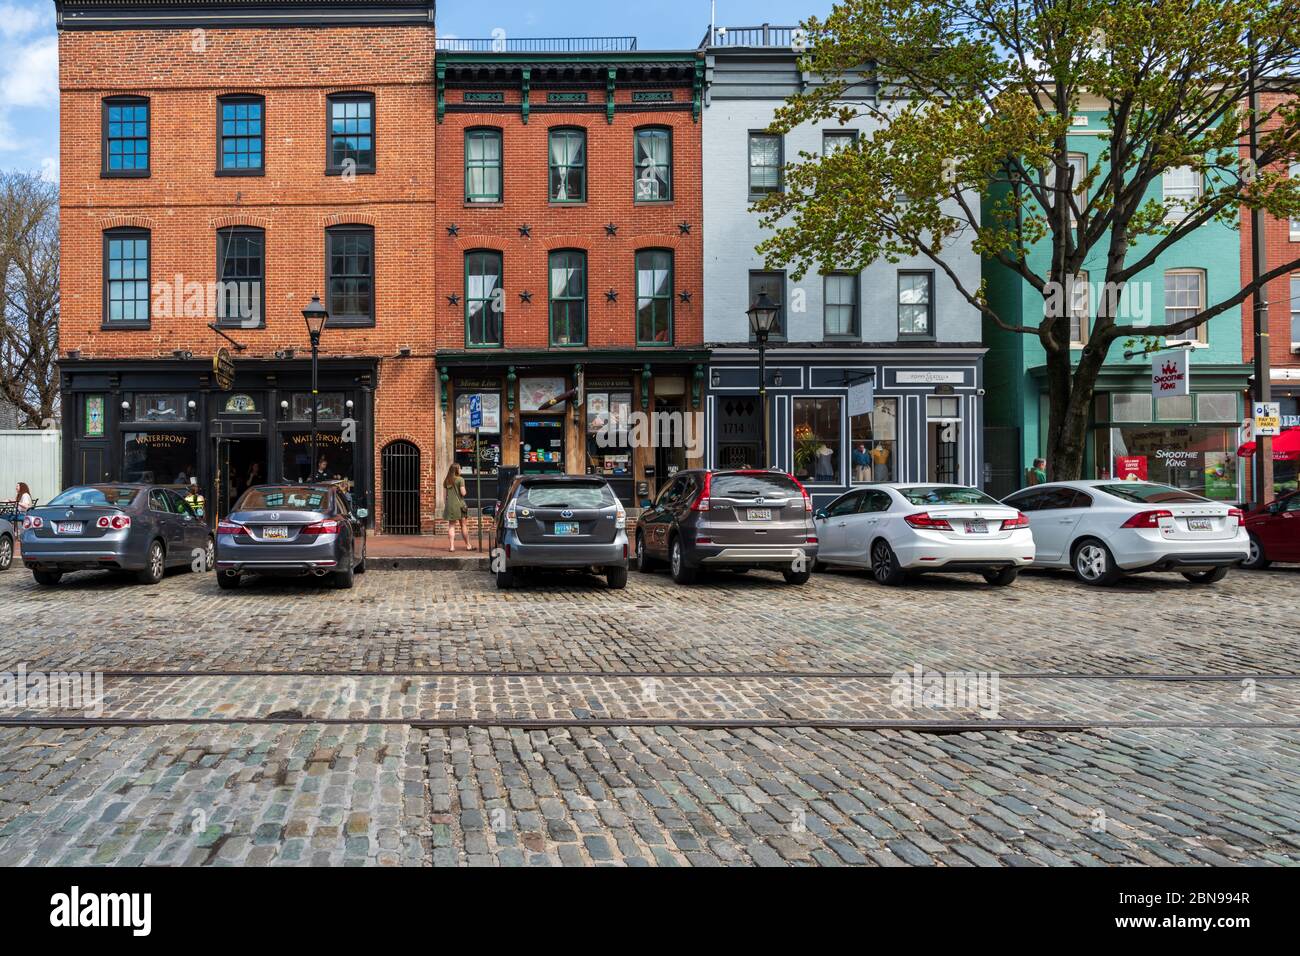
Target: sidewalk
[{"x": 424, "y": 552}]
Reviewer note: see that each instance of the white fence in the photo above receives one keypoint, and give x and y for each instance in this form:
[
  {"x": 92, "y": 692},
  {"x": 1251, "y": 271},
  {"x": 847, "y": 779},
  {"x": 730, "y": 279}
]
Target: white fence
[{"x": 34, "y": 456}]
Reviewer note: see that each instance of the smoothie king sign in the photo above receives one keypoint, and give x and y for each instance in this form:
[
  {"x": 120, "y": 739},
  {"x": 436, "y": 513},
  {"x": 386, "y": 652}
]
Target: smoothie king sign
[{"x": 1169, "y": 374}]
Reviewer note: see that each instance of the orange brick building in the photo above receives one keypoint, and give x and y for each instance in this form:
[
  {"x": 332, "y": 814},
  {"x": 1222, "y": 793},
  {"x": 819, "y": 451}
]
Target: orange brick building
[
  {"x": 223, "y": 163},
  {"x": 569, "y": 247},
  {"x": 1281, "y": 245}
]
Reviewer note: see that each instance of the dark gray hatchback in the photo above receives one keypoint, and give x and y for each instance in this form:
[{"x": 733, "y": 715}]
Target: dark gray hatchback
[
  {"x": 736, "y": 520},
  {"x": 570, "y": 522}
]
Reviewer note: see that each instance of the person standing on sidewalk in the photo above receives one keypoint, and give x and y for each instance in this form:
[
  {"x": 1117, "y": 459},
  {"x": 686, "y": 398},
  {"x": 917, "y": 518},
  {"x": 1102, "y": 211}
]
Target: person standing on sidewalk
[{"x": 454, "y": 509}]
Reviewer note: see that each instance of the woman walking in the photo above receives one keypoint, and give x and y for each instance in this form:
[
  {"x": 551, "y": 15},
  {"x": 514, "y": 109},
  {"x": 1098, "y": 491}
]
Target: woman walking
[
  {"x": 23, "y": 498},
  {"x": 455, "y": 510}
]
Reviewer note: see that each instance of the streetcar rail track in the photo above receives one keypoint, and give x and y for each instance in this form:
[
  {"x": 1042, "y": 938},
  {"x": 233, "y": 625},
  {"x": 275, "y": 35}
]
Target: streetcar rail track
[{"x": 640, "y": 674}]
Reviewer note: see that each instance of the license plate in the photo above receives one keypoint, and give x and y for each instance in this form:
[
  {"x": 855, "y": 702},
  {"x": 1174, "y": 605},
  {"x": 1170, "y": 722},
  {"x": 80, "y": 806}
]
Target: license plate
[
  {"x": 759, "y": 514},
  {"x": 67, "y": 527},
  {"x": 977, "y": 527},
  {"x": 1200, "y": 524},
  {"x": 276, "y": 533},
  {"x": 566, "y": 527}
]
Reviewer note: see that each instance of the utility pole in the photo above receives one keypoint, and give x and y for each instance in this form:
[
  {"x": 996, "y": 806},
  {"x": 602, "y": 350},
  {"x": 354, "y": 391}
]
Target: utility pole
[{"x": 1263, "y": 465}]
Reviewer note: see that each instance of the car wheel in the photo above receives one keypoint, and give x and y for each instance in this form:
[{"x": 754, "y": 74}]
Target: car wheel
[
  {"x": 227, "y": 581},
  {"x": 616, "y": 578},
  {"x": 6, "y": 552},
  {"x": 154, "y": 566},
  {"x": 505, "y": 580},
  {"x": 1256, "y": 561},
  {"x": 1206, "y": 577},
  {"x": 644, "y": 563},
  {"x": 795, "y": 577},
  {"x": 48, "y": 578},
  {"x": 343, "y": 579},
  {"x": 1002, "y": 576},
  {"x": 1094, "y": 564},
  {"x": 885, "y": 566},
  {"x": 682, "y": 572},
  {"x": 209, "y": 555}
]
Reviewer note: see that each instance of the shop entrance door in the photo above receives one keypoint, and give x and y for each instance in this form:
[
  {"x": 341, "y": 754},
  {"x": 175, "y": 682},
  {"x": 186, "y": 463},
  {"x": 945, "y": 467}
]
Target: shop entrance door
[
  {"x": 945, "y": 460},
  {"x": 241, "y": 464},
  {"x": 541, "y": 445}
]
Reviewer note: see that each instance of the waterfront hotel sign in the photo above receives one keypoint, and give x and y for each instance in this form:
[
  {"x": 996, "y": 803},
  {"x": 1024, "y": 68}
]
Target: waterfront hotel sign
[
  {"x": 223, "y": 369},
  {"x": 1170, "y": 377}
]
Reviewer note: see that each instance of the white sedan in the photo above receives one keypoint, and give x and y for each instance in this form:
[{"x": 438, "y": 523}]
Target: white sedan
[
  {"x": 1105, "y": 529},
  {"x": 899, "y": 529}
]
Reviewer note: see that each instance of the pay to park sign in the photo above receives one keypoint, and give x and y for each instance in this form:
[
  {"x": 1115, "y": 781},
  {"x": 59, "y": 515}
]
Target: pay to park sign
[{"x": 1170, "y": 374}]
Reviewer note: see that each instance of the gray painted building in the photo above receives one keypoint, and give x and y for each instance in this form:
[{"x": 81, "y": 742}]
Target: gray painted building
[{"x": 896, "y": 339}]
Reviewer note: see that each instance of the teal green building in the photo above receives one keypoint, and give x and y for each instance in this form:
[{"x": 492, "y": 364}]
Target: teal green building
[{"x": 1189, "y": 441}]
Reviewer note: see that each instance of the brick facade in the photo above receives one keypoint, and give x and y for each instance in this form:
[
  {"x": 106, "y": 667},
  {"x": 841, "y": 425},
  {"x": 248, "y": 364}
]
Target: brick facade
[{"x": 183, "y": 202}]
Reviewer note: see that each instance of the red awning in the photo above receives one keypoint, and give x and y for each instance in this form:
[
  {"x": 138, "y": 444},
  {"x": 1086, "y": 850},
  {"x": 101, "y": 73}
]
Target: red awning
[{"x": 1286, "y": 446}]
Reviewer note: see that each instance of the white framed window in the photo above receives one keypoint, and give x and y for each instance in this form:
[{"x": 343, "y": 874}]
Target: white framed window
[
  {"x": 1078, "y": 165},
  {"x": 1294, "y": 173},
  {"x": 1184, "y": 297},
  {"x": 1080, "y": 305},
  {"x": 1182, "y": 191}
]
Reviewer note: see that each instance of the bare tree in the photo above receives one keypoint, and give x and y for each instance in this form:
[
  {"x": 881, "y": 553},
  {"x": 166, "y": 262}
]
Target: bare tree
[{"x": 29, "y": 327}]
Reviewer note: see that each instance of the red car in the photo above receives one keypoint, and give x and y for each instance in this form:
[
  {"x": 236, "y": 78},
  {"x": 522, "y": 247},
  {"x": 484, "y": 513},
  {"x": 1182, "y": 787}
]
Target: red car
[{"x": 1274, "y": 532}]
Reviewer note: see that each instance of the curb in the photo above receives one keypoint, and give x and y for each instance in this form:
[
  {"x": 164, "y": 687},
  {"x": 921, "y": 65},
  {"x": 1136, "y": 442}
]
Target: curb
[{"x": 376, "y": 563}]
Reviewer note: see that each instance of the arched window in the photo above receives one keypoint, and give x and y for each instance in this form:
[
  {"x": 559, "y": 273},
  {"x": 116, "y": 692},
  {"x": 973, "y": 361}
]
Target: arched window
[
  {"x": 484, "y": 299},
  {"x": 568, "y": 164},
  {"x": 126, "y": 277},
  {"x": 241, "y": 267},
  {"x": 568, "y": 283},
  {"x": 654, "y": 297},
  {"x": 483, "y": 172},
  {"x": 653, "y": 162},
  {"x": 350, "y": 261}
]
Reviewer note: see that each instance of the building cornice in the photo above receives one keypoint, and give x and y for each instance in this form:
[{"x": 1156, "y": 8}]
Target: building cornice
[{"x": 172, "y": 14}]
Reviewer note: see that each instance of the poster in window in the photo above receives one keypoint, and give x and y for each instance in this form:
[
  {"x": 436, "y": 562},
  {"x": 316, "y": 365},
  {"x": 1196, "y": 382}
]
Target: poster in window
[
  {"x": 491, "y": 403},
  {"x": 535, "y": 392}
]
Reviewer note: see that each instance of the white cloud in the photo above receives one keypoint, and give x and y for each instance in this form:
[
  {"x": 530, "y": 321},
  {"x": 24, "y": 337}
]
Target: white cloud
[
  {"x": 19, "y": 21},
  {"x": 31, "y": 74},
  {"x": 50, "y": 169}
]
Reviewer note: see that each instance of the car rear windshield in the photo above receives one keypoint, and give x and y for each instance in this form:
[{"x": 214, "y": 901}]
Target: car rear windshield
[
  {"x": 284, "y": 499},
  {"x": 756, "y": 485},
  {"x": 946, "y": 495},
  {"x": 1151, "y": 494},
  {"x": 569, "y": 495},
  {"x": 98, "y": 496}
]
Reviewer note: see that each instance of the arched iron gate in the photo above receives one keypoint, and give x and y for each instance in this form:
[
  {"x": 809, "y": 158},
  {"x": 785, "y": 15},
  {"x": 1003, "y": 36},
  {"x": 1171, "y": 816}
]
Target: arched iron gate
[{"x": 400, "y": 461}]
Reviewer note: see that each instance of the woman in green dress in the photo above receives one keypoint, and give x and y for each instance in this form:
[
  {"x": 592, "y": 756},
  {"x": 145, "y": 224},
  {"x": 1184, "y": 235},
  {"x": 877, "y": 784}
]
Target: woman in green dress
[{"x": 454, "y": 509}]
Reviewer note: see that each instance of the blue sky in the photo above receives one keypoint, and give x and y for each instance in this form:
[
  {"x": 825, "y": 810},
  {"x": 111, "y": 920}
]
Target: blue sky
[{"x": 29, "y": 94}]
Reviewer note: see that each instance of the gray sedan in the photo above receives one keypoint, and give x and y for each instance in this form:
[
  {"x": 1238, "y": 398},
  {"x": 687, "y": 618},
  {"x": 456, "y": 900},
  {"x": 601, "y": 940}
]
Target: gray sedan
[
  {"x": 144, "y": 529},
  {"x": 293, "y": 531}
]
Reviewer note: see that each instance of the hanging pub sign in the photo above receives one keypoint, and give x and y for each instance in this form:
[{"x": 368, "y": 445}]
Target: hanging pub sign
[
  {"x": 223, "y": 369},
  {"x": 1170, "y": 374}
]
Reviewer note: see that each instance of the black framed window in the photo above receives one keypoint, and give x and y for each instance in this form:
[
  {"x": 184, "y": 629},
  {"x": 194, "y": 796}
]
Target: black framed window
[
  {"x": 653, "y": 153},
  {"x": 835, "y": 140},
  {"x": 126, "y": 136},
  {"x": 484, "y": 300},
  {"x": 568, "y": 164},
  {"x": 840, "y": 307},
  {"x": 350, "y": 260},
  {"x": 765, "y": 162},
  {"x": 568, "y": 297},
  {"x": 654, "y": 297},
  {"x": 240, "y": 136},
  {"x": 773, "y": 283},
  {"x": 916, "y": 304},
  {"x": 241, "y": 266},
  {"x": 483, "y": 165},
  {"x": 126, "y": 277},
  {"x": 351, "y": 133}
]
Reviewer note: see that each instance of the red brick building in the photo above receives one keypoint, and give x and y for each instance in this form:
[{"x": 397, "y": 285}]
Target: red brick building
[
  {"x": 569, "y": 249},
  {"x": 222, "y": 163},
  {"x": 1281, "y": 245}
]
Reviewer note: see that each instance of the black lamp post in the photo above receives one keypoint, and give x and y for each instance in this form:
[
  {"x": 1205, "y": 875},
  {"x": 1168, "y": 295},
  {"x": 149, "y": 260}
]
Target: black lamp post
[
  {"x": 315, "y": 317},
  {"x": 763, "y": 316}
]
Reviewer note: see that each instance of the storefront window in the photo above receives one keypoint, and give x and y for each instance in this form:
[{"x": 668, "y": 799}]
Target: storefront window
[
  {"x": 489, "y": 437},
  {"x": 155, "y": 407},
  {"x": 332, "y": 407},
  {"x": 159, "y": 457},
  {"x": 333, "y": 457},
  {"x": 609, "y": 451},
  {"x": 874, "y": 438},
  {"x": 1197, "y": 458},
  {"x": 1174, "y": 408},
  {"x": 816, "y": 450}
]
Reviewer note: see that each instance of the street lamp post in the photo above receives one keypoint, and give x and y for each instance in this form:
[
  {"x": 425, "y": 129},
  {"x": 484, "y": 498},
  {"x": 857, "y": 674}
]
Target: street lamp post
[
  {"x": 315, "y": 317},
  {"x": 763, "y": 316}
]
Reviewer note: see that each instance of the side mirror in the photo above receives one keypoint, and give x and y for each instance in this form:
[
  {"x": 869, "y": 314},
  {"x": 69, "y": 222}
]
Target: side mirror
[
  {"x": 820, "y": 515},
  {"x": 490, "y": 510},
  {"x": 362, "y": 513}
]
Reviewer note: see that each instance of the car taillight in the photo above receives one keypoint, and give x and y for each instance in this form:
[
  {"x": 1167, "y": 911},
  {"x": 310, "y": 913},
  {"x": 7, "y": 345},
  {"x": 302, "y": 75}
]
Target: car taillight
[
  {"x": 807, "y": 499},
  {"x": 620, "y": 517},
  {"x": 229, "y": 527},
  {"x": 1019, "y": 521},
  {"x": 812, "y": 539},
  {"x": 1238, "y": 514},
  {"x": 512, "y": 516},
  {"x": 702, "y": 502},
  {"x": 33, "y": 521},
  {"x": 328, "y": 526},
  {"x": 925, "y": 521},
  {"x": 1147, "y": 519},
  {"x": 116, "y": 522}
]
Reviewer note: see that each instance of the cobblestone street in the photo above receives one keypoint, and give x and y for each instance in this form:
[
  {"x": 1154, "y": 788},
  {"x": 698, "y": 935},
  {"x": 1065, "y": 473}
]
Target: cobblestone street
[{"x": 426, "y": 719}]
